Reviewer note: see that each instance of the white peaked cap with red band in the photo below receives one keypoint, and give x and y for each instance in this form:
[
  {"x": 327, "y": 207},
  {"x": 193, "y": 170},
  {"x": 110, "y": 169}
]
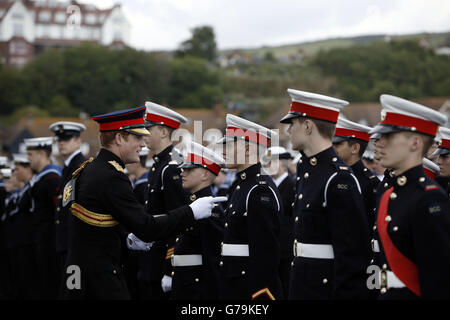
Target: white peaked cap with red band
[
  {"x": 313, "y": 105},
  {"x": 444, "y": 141},
  {"x": 159, "y": 115},
  {"x": 240, "y": 128},
  {"x": 200, "y": 156},
  {"x": 430, "y": 168},
  {"x": 346, "y": 129},
  {"x": 402, "y": 115}
]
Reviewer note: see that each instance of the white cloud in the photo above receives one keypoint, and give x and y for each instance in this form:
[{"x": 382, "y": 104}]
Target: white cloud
[{"x": 164, "y": 24}]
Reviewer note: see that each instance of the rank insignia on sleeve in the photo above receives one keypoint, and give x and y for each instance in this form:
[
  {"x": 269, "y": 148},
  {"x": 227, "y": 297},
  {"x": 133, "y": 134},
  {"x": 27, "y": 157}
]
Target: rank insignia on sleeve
[{"x": 117, "y": 166}]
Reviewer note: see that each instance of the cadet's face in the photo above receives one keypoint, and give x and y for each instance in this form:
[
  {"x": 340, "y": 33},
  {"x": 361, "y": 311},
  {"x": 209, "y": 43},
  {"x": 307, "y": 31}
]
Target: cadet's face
[
  {"x": 131, "y": 147},
  {"x": 296, "y": 132},
  {"x": 67, "y": 147},
  {"x": 272, "y": 167},
  {"x": 343, "y": 149},
  {"x": 192, "y": 177},
  {"x": 444, "y": 165},
  {"x": 154, "y": 139},
  {"x": 34, "y": 156},
  {"x": 393, "y": 149},
  {"x": 23, "y": 174}
]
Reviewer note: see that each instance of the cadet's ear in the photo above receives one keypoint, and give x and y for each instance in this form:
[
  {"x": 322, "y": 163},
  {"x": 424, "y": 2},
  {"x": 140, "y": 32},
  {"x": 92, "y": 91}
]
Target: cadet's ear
[
  {"x": 355, "y": 148},
  {"x": 308, "y": 126}
]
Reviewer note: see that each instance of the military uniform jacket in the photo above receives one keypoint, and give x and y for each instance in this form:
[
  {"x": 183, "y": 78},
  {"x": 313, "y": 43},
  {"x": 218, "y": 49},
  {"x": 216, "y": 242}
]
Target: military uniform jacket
[
  {"x": 202, "y": 238},
  {"x": 13, "y": 233},
  {"x": 104, "y": 201},
  {"x": 63, "y": 212},
  {"x": 287, "y": 192},
  {"x": 165, "y": 193},
  {"x": 369, "y": 184},
  {"x": 419, "y": 228},
  {"x": 385, "y": 184},
  {"x": 44, "y": 190},
  {"x": 252, "y": 218},
  {"x": 140, "y": 188},
  {"x": 329, "y": 210}
]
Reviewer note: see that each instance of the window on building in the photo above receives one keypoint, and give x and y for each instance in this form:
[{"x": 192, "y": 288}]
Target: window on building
[
  {"x": 60, "y": 17},
  {"x": 18, "y": 15},
  {"x": 18, "y": 29},
  {"x": 18, "y": 47},
  {"x": 44, "y": 16},
  {"x": 91, "y": 18},
  {"x": 117, "y": 35}
]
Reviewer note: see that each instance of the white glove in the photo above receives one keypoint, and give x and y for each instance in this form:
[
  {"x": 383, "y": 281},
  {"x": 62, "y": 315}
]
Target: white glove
[
  {"x": 202, "y": 206},
  {"x": 166, "y": 283},
  {"x": 134, "y": 243}
]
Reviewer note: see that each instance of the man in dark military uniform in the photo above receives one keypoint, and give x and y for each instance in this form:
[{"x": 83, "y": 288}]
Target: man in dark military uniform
[
  {"x": 103, "y": 204},
  {"x": 69, "y": 145},
  {"x": 26, "y": 245},
  {"x": 139, "y": 172},
  {"x": 331, "y": 236},
  {"x": 165, "y": 193},
  {"x": 10, "y": 228},
  {"x": 413, "y": 214},
  {"x": 251, "y": 245},
  {"x": 196, "y": 256},
  {"x": 4, "y": 263},
  {"x": 443, "y": 152},
  {"x": 275, "y": 163},
  {"x": 350, "y": 141},
  {"x": 44, "y": 190}
]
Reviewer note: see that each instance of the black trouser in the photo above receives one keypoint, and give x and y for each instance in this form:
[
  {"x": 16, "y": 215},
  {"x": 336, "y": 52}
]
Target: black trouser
[
  {"x": 48, "y": 272},
  {"x": 27, "y": 272}
]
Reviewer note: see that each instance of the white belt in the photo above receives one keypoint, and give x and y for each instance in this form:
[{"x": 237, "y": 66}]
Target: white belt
[
  {"x": 375, "y": 246},
  {"x": 389, "y": 280},
  {"x": 186, "y": 260},
  {"x": 318, "y": 251},
  {"x": 236, "y": 250}
]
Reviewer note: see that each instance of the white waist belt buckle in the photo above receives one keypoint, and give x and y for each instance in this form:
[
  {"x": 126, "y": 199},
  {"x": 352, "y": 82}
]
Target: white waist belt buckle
[
  {"x": 317, "y": 251},
  {"x": 186, "y": 260},
  {"x": 235, "y": 250},
  {"x": 389, "y": 280}
]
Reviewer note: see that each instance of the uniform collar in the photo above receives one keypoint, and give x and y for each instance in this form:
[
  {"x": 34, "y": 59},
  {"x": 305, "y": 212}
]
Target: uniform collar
[
  {"x": 414, "y": 174},
  {"x": 73, "y": 155},
  {"x": 109, "y": 156},
  {"x": 166, "y": 153},
  {"x": 205, "y": 192},
  {"x": 252, "y": 171},
  {"x": 280, "y": 179},
  {"x": 324, "y": 156},
  {"x": 358, "y": 166}
]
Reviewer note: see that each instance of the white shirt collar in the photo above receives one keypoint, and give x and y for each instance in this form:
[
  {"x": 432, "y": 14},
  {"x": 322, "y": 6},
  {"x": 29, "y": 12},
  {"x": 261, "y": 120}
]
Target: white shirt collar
[
  {"x": 280, "y": 179},
  {"x": 67, "y": 162}
]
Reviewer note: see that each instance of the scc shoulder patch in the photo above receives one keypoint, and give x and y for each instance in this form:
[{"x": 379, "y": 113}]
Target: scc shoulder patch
[{"x": 117, "y": 166}]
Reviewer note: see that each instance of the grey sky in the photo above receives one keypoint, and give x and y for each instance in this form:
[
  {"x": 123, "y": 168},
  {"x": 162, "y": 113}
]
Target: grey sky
[{"x": 164, "y": 24}]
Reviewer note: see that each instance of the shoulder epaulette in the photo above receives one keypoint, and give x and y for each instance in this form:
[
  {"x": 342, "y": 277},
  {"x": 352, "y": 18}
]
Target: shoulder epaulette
[
  {"x": 81, "y": 167},
  {"x": 117, "y": 166}
]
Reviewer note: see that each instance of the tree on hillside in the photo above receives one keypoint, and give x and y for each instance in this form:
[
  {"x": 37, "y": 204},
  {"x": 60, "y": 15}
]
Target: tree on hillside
[
  {"x": 193, "y": 84},
  {"x": 202, "y": 44}
]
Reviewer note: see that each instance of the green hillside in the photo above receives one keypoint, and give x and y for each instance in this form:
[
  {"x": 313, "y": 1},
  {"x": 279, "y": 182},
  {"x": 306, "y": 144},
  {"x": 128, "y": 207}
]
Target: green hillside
[{"x": 311, "y": 48}]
